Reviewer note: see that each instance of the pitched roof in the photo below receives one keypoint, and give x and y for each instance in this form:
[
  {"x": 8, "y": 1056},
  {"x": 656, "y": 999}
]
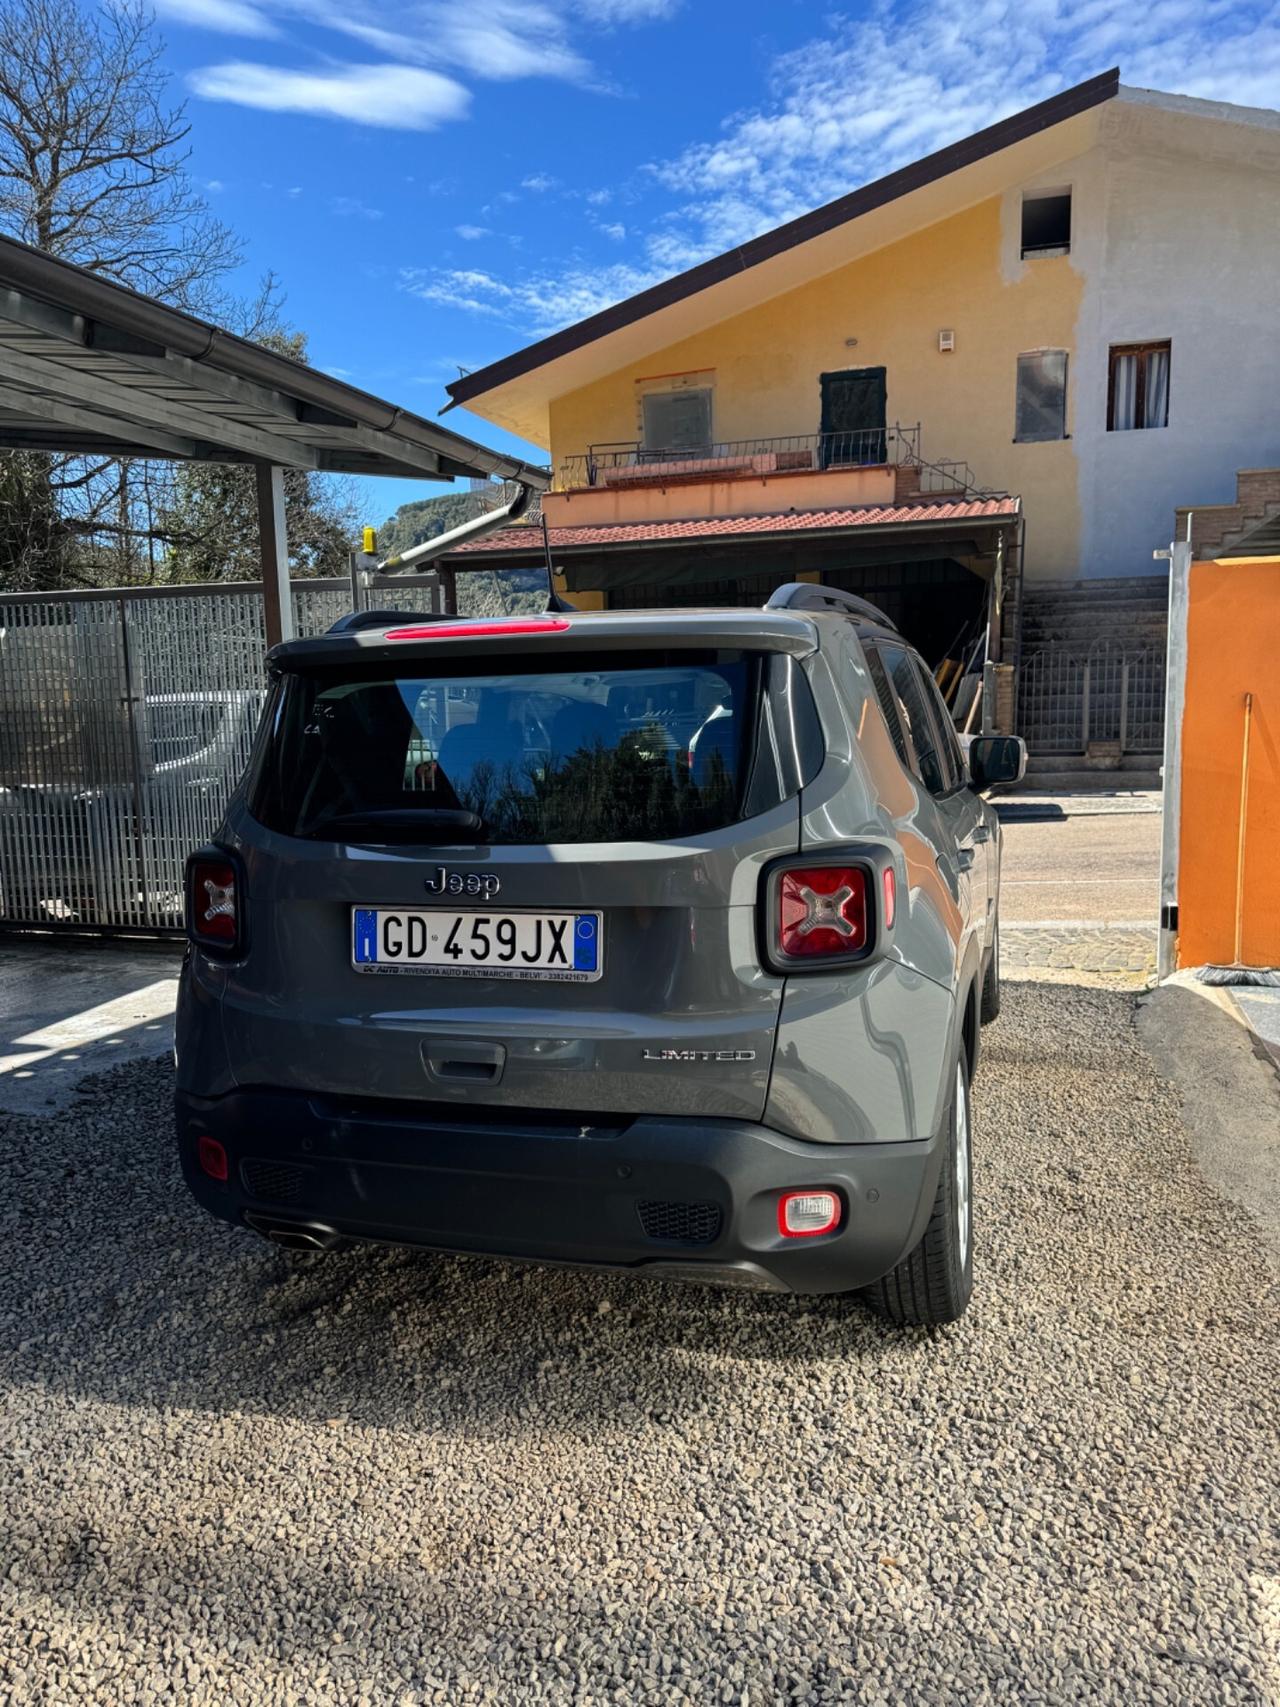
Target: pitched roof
[
  {"x": 616, "y": 534},
  {"x": 845, "y": 208}
]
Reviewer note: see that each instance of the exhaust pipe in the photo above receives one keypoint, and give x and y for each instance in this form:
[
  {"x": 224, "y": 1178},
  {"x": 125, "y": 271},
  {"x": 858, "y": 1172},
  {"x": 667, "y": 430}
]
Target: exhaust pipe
[{"x": 296, "y": 1235}]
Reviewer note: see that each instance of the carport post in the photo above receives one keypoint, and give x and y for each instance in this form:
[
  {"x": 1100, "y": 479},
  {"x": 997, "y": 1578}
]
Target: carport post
[
  {"x": 1175, "y": 694},
  {"x": 273, "y": 546}
]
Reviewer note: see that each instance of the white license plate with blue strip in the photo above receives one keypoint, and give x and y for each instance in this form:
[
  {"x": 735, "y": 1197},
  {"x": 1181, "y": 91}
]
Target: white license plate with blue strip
[{"x": 556, "y": 947}]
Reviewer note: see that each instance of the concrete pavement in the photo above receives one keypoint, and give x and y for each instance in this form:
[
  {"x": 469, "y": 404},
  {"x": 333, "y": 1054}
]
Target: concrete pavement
[
  {"x": 70, "y": 1008},
  {"x": 1103, "y": 867}
]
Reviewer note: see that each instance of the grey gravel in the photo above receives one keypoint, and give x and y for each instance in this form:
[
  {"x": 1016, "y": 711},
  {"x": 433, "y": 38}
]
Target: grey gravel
[{"x": 392, "y": 1478}]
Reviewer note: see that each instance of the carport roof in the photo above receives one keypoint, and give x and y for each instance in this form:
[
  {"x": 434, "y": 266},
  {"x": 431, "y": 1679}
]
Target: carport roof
[{"x": 88, "y": 366}]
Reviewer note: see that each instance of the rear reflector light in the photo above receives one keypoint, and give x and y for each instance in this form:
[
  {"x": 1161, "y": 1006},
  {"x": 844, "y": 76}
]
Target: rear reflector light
[
  {"x": 452, "y": 630},
  {"x": 822, "y": 909},
  {"x": 890, "y": 888},
  {"x": 212, "y": 1158},
  {"x": 213, "y": 902},
  {"x": 803, "y": 1214}
]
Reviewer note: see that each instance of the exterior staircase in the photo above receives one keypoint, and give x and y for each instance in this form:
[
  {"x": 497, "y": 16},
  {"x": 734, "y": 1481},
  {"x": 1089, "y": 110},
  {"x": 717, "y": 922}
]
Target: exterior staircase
[
  {"x": 1217, "y": 529},
  {"x": 1091, "y": 682}
]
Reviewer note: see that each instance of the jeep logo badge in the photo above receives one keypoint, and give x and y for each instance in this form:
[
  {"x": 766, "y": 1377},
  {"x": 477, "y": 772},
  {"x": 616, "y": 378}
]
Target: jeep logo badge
[{"x": 447, "y": 882}]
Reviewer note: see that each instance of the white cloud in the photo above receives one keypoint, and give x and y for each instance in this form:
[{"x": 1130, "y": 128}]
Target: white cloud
[
  {"x": 467, "y": 288},
  {"x": 401, "y": 97},
  {"x": 215, "y": 186},
  {"x": 539, "y": 183},
  {"x": 626, "y": 11},
  {"x": 616, "y": 231},
  {"x": 228, "y": 17},
  {"x": 337, "y": 372},
  {"x": 471, "y": 233},
  {"x": 599, "y": 198},
  {"x": 498, "y": 40},
  {"x": 350, "y": 207},
  {"x": 537, "y": 301}
]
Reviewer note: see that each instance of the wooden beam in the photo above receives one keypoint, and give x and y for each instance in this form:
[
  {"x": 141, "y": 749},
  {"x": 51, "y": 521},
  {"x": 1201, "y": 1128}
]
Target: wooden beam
[
  {"x": 73, "y": 384},
  {"x": 92, "y": 422}
]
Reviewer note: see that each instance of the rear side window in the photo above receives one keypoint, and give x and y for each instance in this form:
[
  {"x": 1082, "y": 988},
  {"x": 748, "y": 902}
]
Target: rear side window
[
  {"x": 658, "y": 747},
  {"x": 889, "y": 706},
  {"x": 927, "y": 760},
  {"x": 949, "y": 747}
]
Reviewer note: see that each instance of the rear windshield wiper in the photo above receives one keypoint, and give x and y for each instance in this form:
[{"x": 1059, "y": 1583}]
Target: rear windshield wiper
[{"x": 409, "y": 823}]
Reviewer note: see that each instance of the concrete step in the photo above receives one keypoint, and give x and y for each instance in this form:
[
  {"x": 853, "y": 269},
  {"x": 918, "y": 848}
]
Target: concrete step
[
  {"x": 1100, "y": 587},
  {"x": 1089, "y": 781},
  {"x": 1076, "y": 761},
  {"x": 1109, "y": 618},
  {"x": 1132, "y": 627}
]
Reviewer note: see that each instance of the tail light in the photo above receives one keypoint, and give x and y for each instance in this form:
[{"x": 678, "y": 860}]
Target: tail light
[
  {"x": 823, "y": 912},
  {"x": 215, "y": 902}
]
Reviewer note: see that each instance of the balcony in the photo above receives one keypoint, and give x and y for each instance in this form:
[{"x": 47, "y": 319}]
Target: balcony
[{"x": 620, "y": 482}]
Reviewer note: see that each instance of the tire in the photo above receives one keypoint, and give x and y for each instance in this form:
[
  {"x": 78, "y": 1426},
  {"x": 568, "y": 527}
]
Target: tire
[
  {"x": 933, "y": 1283},
  {"x": 989, "y": 1006}
]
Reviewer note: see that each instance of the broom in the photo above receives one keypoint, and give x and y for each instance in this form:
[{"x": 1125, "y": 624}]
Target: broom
[{"x": 1236, "y": 973}]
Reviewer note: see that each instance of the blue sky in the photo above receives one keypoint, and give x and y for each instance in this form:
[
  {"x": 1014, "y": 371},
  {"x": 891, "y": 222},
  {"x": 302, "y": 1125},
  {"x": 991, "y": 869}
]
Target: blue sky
[{"x": 438, "y": 181}]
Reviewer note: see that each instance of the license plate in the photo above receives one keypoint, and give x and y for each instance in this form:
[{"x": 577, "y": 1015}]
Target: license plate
[{"x": 560, "y": 947}]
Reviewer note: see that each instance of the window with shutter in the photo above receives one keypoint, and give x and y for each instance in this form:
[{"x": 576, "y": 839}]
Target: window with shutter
[
  {"x": 1041, "y": 411},
  {"x": 677, "y": 421}
]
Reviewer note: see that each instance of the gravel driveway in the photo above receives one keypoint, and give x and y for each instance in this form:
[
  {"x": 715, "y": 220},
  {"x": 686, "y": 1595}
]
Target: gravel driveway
[{"x": 391, "y": 1478}]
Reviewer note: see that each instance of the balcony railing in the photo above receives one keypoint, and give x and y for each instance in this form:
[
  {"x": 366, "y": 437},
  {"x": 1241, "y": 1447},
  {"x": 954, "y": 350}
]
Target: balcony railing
[{"x": 629, "y": 463}]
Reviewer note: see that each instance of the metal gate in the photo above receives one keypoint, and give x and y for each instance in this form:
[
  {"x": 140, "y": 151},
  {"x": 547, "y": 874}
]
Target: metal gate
[
  {"x": 1110, "y": 695},
  {"x": 126, "y": 721}
]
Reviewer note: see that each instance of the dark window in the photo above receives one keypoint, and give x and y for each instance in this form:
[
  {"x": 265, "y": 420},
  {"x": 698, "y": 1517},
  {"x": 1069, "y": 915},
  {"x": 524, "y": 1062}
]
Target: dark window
[
  {"x": 653, "y": 749},
  {"x": 1046, "y": 223},
  {"x": 888, "y": 704},
  {"x": 1041, "y": 411},
  {"x": 1138, "y": 386},
  {"x": 677, "y": 421},
  {"x": 948, "y": 746},
  {"x": 924, "y": 744}
]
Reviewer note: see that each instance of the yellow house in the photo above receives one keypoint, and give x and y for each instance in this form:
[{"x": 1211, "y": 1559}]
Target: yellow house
[{"x": 998, "y": 367}]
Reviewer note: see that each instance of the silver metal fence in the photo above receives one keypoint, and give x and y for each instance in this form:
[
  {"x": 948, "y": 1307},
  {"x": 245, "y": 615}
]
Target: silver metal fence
[
  {"x": 1110, "y": 694},
  {"x": 126, "y": 720}
]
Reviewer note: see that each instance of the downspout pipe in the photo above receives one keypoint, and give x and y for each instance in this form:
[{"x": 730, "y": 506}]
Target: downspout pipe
[{"x": 476, "y": 528}]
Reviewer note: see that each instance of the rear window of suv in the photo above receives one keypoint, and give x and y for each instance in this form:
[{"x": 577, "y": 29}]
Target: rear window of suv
[{"x": 653, "y": 748}]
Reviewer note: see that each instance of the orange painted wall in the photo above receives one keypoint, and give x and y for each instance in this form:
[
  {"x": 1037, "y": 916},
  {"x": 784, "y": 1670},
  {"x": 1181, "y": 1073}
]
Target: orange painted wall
[{"x": 1233, "y": 643}]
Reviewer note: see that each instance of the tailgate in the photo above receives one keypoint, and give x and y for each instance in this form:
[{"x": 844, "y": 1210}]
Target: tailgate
[{"x": 385, "y": 965}]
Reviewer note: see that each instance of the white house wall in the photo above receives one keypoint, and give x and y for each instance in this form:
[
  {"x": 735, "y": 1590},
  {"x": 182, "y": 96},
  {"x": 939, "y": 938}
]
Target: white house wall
[{"x": 1187, "y": 249}]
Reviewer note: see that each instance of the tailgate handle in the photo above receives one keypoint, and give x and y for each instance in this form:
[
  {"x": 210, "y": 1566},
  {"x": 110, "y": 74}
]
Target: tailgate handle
[{"x": 453, "y": 1061}]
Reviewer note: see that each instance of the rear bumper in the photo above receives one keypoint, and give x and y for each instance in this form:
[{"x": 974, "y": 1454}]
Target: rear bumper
[{"x": 656, "y": 1194}]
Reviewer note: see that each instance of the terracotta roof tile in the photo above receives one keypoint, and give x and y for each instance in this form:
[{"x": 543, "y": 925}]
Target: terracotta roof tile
[{"x": 721, "y": 527}]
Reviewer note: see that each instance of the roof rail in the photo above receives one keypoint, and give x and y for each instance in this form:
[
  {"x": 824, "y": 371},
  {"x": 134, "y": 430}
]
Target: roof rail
[
  {"x": 808, "y": 595},
  {"x": 355, "y": 620}
]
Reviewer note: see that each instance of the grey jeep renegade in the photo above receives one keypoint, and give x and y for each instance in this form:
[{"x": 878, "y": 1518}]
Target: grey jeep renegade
[{"x": 655, "y": 941}]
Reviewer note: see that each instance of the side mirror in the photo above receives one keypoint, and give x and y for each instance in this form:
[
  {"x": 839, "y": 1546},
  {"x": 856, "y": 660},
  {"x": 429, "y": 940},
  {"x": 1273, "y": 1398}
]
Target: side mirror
[{"x": 996, "y": 758}]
